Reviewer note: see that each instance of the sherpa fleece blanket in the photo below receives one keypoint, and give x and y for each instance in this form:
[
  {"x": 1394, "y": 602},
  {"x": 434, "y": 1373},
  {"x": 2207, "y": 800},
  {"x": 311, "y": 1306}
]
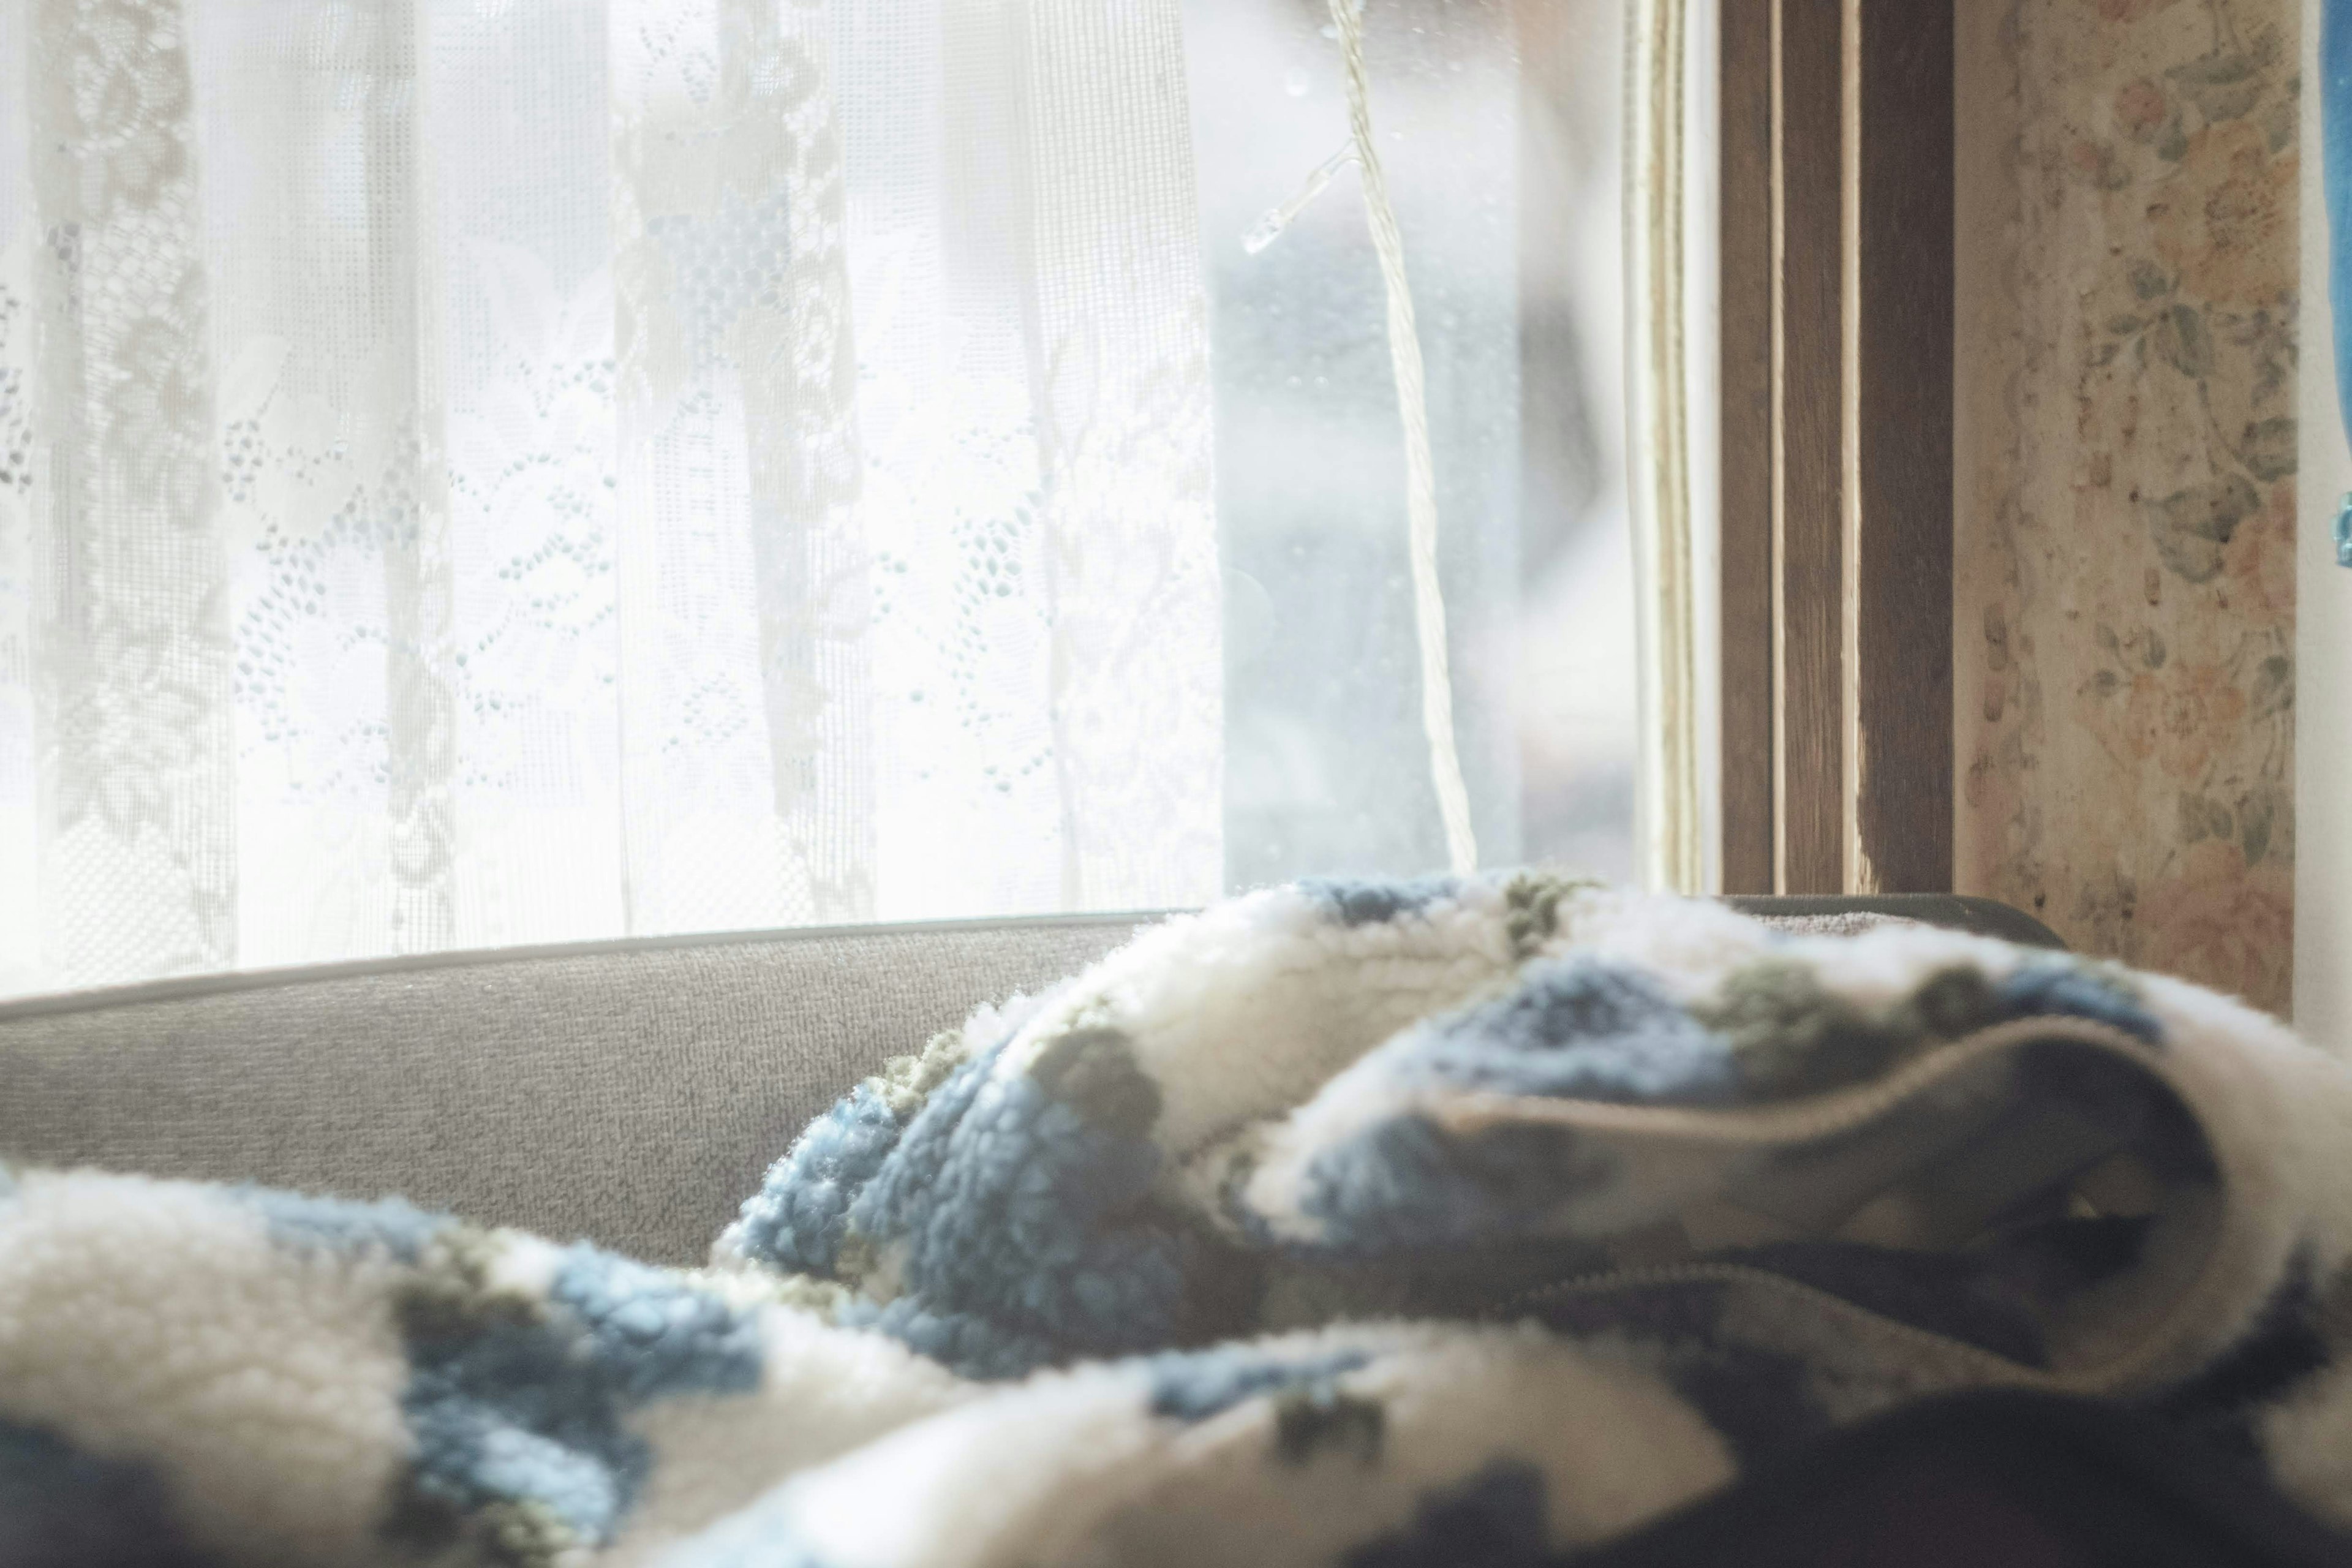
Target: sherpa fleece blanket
[{"x": 1337, "y": 1225}]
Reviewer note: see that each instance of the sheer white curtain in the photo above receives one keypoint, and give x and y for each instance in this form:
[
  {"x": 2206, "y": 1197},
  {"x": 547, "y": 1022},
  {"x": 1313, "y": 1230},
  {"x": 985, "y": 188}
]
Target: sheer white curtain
[{"x": 487, "y": 472}]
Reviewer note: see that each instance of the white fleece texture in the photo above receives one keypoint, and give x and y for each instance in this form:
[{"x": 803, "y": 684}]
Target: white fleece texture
[{"x": 1027, "y": 1301}]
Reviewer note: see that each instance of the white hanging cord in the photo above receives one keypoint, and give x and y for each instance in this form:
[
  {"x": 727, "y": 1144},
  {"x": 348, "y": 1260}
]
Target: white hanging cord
[
  {"x": 1269, "y": 229},
  {"x": 1421, "y": 480}
]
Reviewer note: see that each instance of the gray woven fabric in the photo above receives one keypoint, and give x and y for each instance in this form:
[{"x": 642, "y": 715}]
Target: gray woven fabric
[{"x": 629, "y": 1093}]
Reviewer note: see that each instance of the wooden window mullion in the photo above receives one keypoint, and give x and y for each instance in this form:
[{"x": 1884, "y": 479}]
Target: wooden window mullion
[{"x": 1836, "y": 517}]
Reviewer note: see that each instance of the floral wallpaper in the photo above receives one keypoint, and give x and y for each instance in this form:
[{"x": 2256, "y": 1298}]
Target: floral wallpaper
[{"x": 2125, "y": 621}]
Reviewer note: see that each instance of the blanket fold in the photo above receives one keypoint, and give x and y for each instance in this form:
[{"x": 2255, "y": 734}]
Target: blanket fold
[{"x": 1340, "y": 1223}]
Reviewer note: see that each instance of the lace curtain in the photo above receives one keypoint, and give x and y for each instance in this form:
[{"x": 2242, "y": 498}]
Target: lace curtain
[{"x": 492, "y": 471}]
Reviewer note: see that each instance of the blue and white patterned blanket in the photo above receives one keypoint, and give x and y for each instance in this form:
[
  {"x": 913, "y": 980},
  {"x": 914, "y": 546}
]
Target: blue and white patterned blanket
[{"x": 1334, "y": 1225}]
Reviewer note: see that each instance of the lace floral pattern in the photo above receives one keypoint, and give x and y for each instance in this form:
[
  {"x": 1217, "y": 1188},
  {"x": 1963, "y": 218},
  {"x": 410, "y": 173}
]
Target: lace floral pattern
[
  {"x": 481, "y": 475},
  {"x": 129, "y": 657}
]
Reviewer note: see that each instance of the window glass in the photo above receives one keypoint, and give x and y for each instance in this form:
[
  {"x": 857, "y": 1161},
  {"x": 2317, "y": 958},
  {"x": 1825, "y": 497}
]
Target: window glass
[{"x": 1498, "y": 128}]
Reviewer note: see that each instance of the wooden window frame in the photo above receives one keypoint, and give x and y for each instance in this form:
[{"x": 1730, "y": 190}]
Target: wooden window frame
[{"x": 1836, "y": 276}]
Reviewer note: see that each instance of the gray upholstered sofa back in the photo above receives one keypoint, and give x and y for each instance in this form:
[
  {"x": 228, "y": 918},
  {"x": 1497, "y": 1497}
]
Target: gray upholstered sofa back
[{"x": 628, "y": 1092}]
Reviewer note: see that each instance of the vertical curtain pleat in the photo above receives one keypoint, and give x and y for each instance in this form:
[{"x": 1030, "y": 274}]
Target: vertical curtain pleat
[
  {"x": 419, "y": 578},
  {"x": 24, "y": 485},
  {"x": 135, "y": 781},
  {"x": 738, "y": 453},
  {"x": 1032, "y": 325},
  {"x": 1119, "y": 353},
  {"x": 477, "y": 475},
  {"x": 800, "y": 393},
  {"x": 520, "y": 132},
  {"x": 322, "y": 229},
  {"x": 938, "y": 221}
]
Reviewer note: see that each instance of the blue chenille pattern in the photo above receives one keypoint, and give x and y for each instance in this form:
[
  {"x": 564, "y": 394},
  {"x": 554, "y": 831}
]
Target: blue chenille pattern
[
  {"x": 1573, "y": 1029},
  {"x": 61, "y": 1506},
  {"x": 796, "y": 1221},
  {"x": 305, "y": 1224},
  {"x": 650, "y": 1334},
  {"x": 976, "y": 1346},
  {"x": 1018, "y": 1224},
  {"x": 1192, "y": 1385},
  {"x": 514, "y": 1401},
  {"x": 2069, "y": 988},
  {"x": 1406, "y": 1182},
  {"x": 505, "y": 1416},
  {"x": 1369, "y": 901}
]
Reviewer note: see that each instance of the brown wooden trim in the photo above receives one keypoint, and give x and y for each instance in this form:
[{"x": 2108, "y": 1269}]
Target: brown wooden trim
[
  {"x": 1837, "y": 446},
  {"x": 1745, "y": 248},
  {"x": 1903, "y": 668},
  {"x": 1809, "y": 501}
]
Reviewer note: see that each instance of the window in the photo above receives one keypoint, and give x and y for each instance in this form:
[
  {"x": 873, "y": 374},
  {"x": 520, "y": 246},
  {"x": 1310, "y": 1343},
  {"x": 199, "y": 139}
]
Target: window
[
  {"x": 1499, "y": 129},
  {"x": 477, "y": 475}
]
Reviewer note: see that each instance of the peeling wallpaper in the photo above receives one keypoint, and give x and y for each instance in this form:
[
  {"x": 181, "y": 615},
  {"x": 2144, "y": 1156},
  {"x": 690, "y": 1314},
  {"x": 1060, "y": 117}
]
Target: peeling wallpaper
[{"x": 2125, "y": 615}]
